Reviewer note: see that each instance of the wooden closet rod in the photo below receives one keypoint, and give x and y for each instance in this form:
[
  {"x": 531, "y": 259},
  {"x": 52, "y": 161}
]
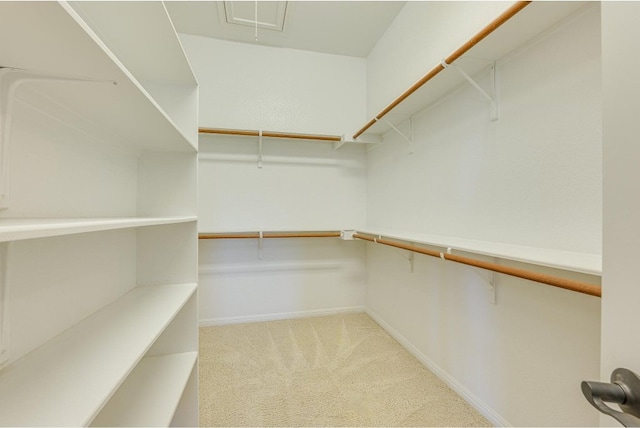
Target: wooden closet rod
[
  {"x": 256, "y": 235},
  {"x": 271, "y": 134},
  {"x": 568, "y": 284},
  {"x": 504, "y": 17}
]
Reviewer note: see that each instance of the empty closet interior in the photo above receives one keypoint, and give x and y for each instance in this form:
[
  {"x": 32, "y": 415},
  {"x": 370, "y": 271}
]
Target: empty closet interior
[
  {"x": 504, "y": 169},
  {"x": 447, "y": 182}
]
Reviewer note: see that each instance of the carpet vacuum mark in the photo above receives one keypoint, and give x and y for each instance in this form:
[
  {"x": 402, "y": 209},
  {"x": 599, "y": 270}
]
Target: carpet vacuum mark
[{"x": 341, "y": 370}]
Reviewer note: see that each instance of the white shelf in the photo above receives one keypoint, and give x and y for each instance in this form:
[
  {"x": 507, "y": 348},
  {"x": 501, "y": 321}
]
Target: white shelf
[
  {"x": 58, "y": 43},
  {"x": 150, "y": 395},
  {"x": 30, "y": 228},
  {"x": 576, "y": 262},
  {"x": 68, "y": 380},
  {"x": 534, "y": 19},
  {"x": 154, "y": 56}
]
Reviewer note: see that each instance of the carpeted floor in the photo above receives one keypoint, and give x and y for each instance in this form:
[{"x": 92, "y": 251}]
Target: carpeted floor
[{"x": 341, "y": 370}]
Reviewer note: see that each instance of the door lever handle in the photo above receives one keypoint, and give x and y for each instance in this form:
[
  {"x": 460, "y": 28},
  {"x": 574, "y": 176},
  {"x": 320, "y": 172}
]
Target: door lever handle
[{"x": 623, "y": 390}]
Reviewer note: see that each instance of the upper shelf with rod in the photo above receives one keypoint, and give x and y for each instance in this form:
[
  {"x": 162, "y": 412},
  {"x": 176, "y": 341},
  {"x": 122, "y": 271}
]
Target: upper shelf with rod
[
  {"x": 590, "y": 264},
  {"x": 337, "y": 140},
  {"x": 583, "y": 263},
  {"x": 518, "y": 24}
]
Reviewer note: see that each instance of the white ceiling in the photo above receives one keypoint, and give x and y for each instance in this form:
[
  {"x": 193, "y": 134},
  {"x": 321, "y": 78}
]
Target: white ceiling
[{"x": 338, "y": 27}]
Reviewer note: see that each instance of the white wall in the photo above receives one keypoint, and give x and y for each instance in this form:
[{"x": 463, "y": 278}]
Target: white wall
[
  {"x": 302, "y": 185},
  {"x": 532, "y": 178},
  {"x": 245, "y": 86}
]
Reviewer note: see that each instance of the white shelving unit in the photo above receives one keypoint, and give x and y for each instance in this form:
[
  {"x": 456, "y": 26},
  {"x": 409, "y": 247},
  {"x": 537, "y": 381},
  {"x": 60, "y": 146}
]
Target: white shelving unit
[{"x": 98, "y": 217}]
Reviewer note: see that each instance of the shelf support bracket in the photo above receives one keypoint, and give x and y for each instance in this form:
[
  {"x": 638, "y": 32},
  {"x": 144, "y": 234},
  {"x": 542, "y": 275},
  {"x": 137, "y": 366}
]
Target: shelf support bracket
[
  {"x": 10, "y": 80},
  {"x": 491, "y": 277},
  {"x": 491, "y": 98},
  {"x": 408, "y": 139},
  {"x": 260, "y": 241}
]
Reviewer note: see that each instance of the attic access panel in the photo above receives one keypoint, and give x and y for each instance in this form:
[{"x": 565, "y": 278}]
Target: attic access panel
[{"x": 270, "y": 14}]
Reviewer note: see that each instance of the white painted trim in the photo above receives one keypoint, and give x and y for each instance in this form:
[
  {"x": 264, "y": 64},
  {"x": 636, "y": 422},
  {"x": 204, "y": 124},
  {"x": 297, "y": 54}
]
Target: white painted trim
[
  {"x": 280, "y": 316},
  {"x": 467, "y": 395}
]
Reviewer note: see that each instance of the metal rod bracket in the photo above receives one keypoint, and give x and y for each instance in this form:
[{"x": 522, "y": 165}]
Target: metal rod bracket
[{"x": 260, "y": 149}]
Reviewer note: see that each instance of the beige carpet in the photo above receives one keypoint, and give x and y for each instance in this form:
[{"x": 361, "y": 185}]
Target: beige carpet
[{"x": 341, "y": 370}]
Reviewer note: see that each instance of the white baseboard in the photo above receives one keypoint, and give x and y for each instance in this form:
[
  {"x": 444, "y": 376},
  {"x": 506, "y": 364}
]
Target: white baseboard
[
  {"x": 471, "y": 398},
  {"x": 279, "y": 316}
]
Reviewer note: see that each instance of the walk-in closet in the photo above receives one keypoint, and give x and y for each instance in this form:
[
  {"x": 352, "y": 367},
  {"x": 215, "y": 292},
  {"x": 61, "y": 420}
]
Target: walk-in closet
[{"x": 318, "y": 213}]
